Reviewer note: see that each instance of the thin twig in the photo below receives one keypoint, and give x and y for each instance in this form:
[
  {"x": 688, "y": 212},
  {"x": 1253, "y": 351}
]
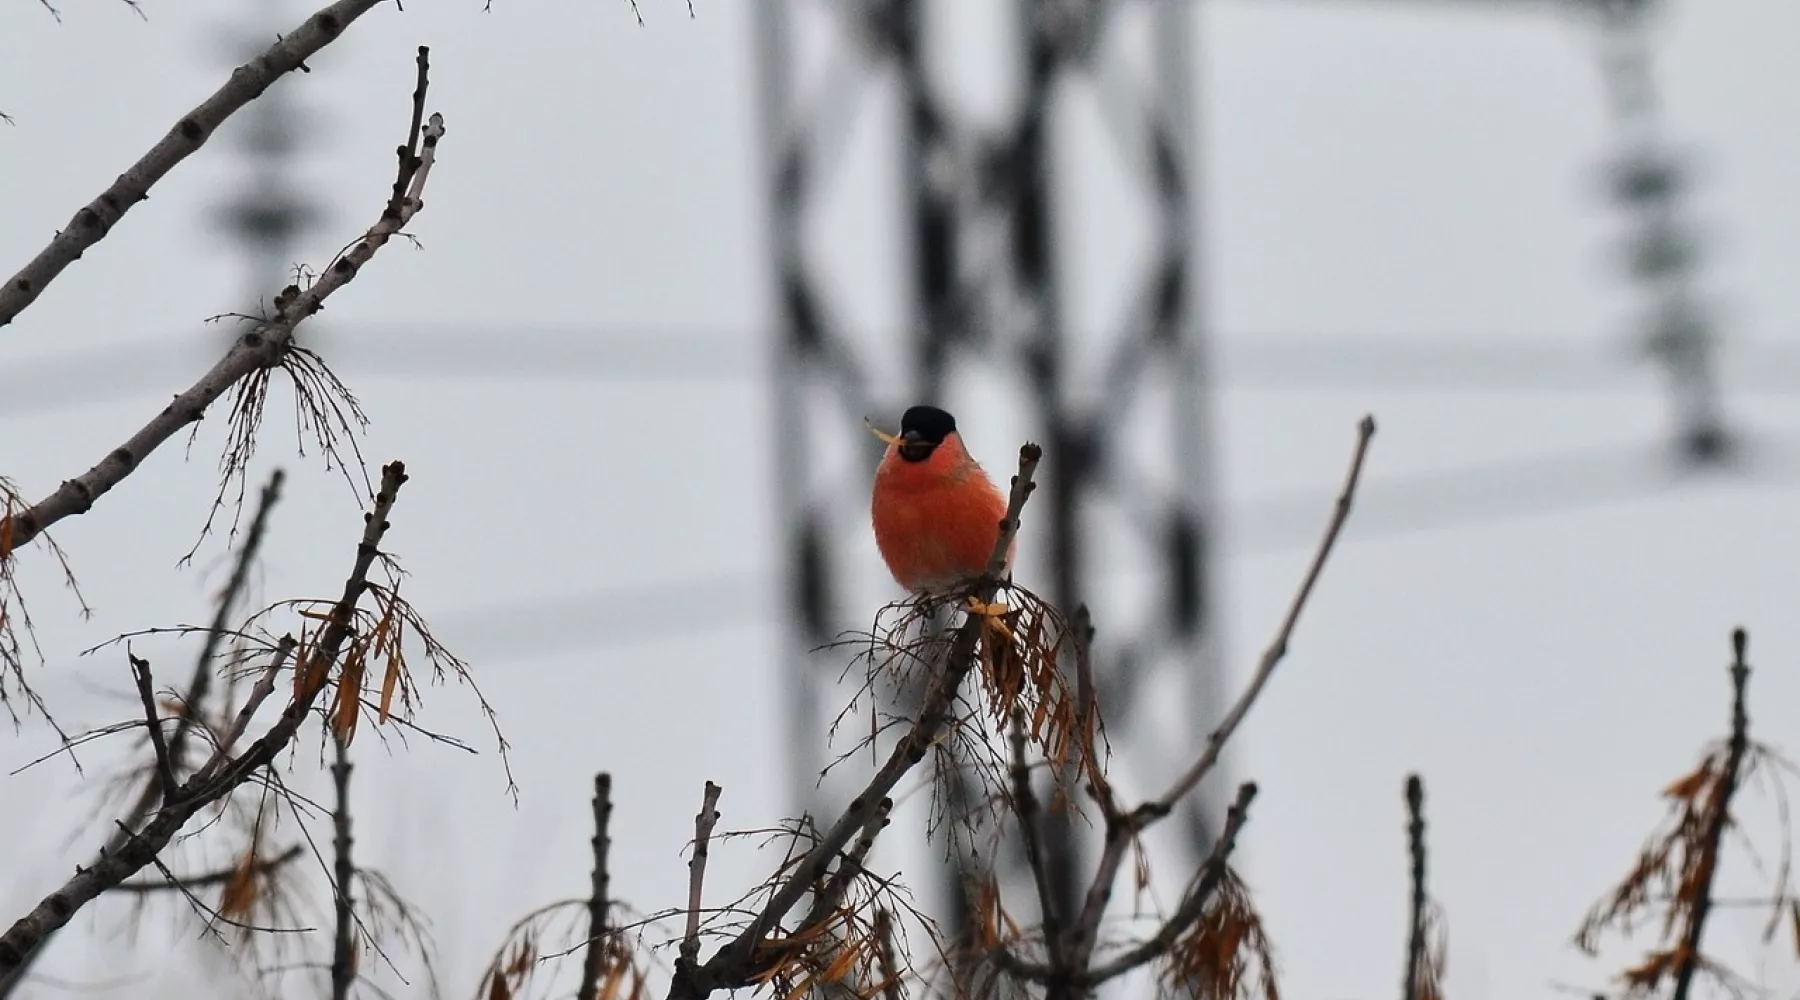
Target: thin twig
[
  {"x": 890, "y": 965},
  {"x": 1081, "y": 630},
  {"x": 704, "y": 821},
  {"x": 1031, "y": 829},
  {"x": 343, "y": 957},
  {"x": 200, "y": 686},
  {"x": 826, "y": 902},
  {"x": 599, "y": 901},
  {"x": 202, "y": 790},
  {"x": 409, "y": 151},
  {"x": 165, "y": 769},
  {"x": 265, "y": 686},
  {"x": 734, "y": 964},
  {"x": 1085, "y": 931},
  {"x": 1212, "y": 873},
  {"x": 1415, "y": 836},
  {"x": 1272, "y": 657},
  {"x": 247, "y": 83},
  {"x": 1690, "y": 960},
  {"x": 218, "y": 876},
  {"x": 212, "y": 915}
]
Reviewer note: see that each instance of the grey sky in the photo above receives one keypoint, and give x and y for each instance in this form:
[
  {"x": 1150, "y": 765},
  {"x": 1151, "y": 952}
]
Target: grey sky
[{"x": 1372, "y": 172}]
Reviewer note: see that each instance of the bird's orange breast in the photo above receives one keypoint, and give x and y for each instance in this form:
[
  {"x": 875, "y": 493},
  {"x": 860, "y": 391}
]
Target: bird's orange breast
[{"x": 935, "y": 521}]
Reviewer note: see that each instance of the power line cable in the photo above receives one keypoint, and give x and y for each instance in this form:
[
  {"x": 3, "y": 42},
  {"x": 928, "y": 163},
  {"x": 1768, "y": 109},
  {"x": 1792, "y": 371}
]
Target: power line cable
[
  {"x": 1389, "y": 508},
  {"x": 699, "y": 356}
]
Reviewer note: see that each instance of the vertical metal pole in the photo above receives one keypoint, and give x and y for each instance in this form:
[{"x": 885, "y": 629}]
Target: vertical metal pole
[
  {"x": 1179, "y": 310},
  {"x": 933, "y": 270},
  {"x": 1067, "y": 467},
  {"x": 806, "y": 569}
]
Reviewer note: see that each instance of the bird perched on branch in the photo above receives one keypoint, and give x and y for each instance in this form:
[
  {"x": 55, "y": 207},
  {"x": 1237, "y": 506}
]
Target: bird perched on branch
[{"x": 936, "y": 513}]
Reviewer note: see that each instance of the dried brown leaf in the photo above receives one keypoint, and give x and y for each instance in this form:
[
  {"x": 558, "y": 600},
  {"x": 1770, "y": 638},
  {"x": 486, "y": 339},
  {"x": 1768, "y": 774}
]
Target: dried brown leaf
[
  {"x": 1689, "y": 785},
  {"x": 348, "y": 703},
  {"x": 1226, "y": 954},
  {"x": 241, "y": 890}
]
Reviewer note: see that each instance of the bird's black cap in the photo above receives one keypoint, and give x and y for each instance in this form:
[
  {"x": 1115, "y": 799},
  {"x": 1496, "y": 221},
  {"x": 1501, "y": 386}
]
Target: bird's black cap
[{"x": 928, "y": 424}]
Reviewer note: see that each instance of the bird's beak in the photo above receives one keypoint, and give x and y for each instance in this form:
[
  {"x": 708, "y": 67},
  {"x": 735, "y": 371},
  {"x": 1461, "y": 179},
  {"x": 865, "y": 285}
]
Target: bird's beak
[
  {"x": 885, "y": 437},
  {"x": 911, "y": 437}
]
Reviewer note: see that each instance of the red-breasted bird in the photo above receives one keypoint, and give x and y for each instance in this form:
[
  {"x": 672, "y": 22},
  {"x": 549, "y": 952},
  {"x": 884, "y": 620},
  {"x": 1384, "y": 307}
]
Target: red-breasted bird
[{"x": 936, "y": 513}]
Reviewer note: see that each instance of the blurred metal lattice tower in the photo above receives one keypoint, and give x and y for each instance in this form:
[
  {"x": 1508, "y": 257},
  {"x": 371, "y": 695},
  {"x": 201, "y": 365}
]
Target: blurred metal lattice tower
[
  {"x": 984, "y": 250},
  {"x": 269, "y": 213},
  {"x": 1649, "y": 181}
]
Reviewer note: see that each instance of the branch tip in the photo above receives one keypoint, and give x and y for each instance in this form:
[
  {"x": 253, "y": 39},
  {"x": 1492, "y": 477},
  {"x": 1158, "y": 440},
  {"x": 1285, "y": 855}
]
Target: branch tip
[
  {"x": 704, "y": 821},
  {"x": 599, "y": 898},
  {"x": 165, "y": 767},
  {"x": 1416, "y": 956},
  {"x": 1278, "y": 647}
]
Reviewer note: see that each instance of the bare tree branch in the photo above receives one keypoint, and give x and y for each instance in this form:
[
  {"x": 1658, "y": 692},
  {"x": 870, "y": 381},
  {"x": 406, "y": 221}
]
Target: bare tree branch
[
  {"x": 220, "y": 876},
  {"x": 1212, "y": 873},
  {"x": 851, "y": 866},
  {"x": 265, "y": 686},
  {"x": 704, "y": 821},
  {"x": 248, "y": 82},
  {"x": 890, "y": 965},
  {"x": 1690, "y": 960},
  {"x": 1277, "y": 650},
  {"x": 1029, "y": 812},
  {"x": 1415, "y": 836},
  {"x": 221, "y": 775},
  {"x": 343, "y": 955},
  {"x": 200, "y": 686},
  {"x": 734, "y": 964},
  {"x": 1122, "y": 828},
  {"x": 599, "y": 901},
  {"x": 1671, "y": 883},
  {"x": 1086, "y": 929},
  {"x": 164, "y": 780},
  {"x": 264, "y": 346},
  {"x": 1081, "y": 632}
]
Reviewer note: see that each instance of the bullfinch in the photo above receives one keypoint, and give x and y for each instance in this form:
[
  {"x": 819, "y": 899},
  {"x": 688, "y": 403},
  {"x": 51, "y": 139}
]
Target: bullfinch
[{"x": 936, "y": 513}]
